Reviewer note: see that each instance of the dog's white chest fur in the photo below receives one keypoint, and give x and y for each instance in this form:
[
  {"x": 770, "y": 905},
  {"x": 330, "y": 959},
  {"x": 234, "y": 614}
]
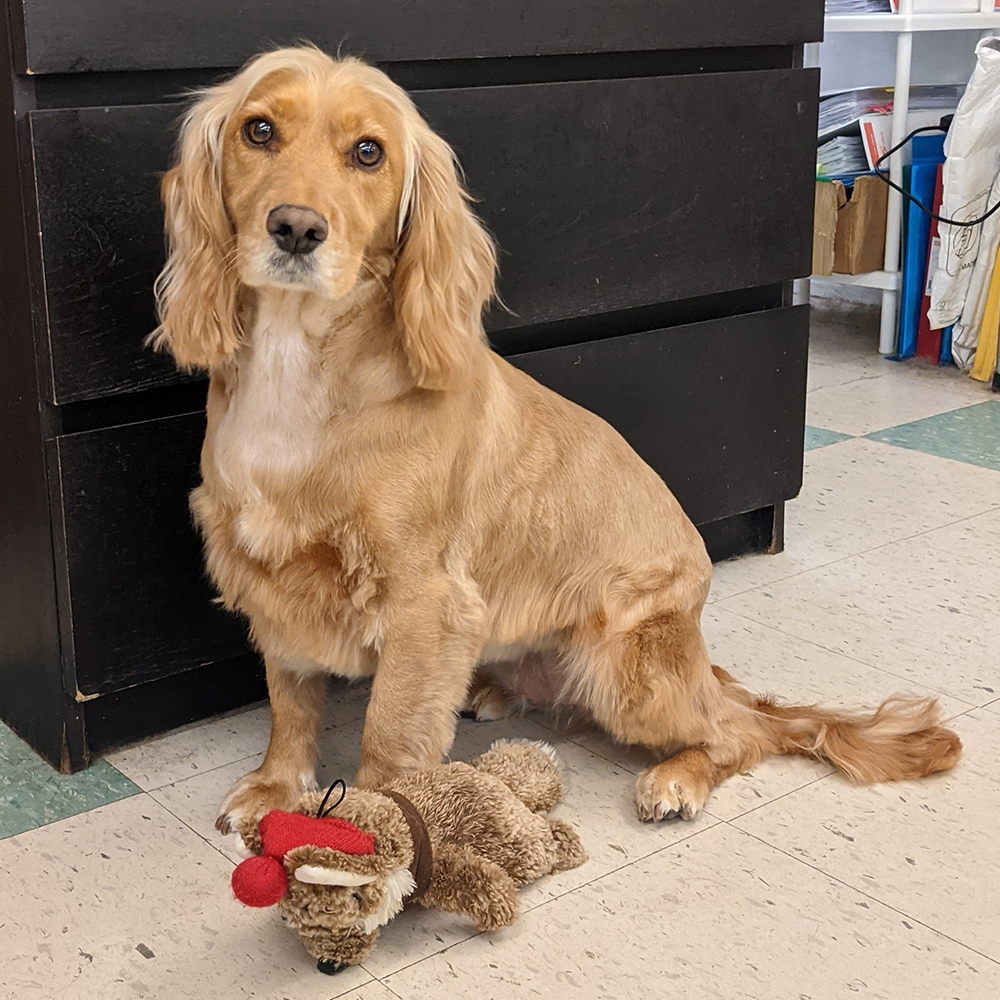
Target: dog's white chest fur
[{"x": 270, "y": 434}]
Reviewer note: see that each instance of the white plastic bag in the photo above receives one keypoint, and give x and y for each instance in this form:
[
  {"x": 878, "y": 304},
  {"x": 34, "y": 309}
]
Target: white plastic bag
[{"x": 972, "y": 147}]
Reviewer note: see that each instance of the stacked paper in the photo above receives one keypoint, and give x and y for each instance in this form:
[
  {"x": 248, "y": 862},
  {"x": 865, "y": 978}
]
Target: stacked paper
[
  {"x": 857, "y": 6},
  {"x": 842, "y": 156},
  {"x": 841, "y": 112}
]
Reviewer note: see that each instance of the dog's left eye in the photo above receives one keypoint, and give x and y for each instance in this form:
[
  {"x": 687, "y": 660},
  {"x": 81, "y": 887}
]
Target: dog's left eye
[
  {"x": 259, "y": 131},
  {"x": 368, "y": 153}
]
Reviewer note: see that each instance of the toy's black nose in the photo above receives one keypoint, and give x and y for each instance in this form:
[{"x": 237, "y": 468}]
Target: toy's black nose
[
  {"x": 330, "y": 968},
  {"x": 296, "y": 229}
]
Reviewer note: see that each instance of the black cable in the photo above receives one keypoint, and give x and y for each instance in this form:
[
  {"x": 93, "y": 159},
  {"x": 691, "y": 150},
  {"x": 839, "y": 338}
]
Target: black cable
[{"x": 909, "y": 197}]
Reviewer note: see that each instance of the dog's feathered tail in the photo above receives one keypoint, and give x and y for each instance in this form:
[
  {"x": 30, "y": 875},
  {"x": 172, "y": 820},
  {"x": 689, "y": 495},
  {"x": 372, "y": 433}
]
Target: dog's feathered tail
[{"x": 902, "y": 738}]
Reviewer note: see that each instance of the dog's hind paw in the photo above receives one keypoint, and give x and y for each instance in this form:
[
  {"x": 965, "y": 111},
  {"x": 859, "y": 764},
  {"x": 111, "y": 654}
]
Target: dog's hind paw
[
  {"x": 487, "y": 702},
  {"x": 667, "y": 792}
]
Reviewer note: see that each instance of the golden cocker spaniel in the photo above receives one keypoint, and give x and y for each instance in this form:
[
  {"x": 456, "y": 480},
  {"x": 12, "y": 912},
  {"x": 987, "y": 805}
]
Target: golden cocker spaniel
[{"x": 384, "y": 496}]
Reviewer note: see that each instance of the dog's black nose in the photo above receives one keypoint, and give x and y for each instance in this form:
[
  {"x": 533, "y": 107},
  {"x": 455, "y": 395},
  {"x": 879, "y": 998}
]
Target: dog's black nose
[
  {"x": 330, "y": 968},
  {"x": 296, "y": 229}
]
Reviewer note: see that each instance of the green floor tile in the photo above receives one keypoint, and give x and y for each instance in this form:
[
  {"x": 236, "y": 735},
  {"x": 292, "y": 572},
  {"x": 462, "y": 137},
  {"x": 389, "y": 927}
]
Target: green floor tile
[
  {"x": 970, "y": 435},
  {"x": 32, "y": 794},
  {"x": 817, "y": 437}
]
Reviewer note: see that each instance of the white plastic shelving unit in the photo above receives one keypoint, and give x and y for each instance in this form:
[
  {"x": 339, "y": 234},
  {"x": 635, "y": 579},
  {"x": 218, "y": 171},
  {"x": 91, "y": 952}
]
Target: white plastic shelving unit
[{"x": 904, "y": 23}]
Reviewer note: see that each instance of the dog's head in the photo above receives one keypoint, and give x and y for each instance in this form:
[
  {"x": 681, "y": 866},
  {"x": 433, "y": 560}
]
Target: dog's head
[{"x": 310, "y": 174}]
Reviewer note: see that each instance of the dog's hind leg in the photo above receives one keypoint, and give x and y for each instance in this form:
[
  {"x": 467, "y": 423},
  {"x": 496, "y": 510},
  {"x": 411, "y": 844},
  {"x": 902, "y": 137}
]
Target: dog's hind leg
[{"x": 654, "y": 685}]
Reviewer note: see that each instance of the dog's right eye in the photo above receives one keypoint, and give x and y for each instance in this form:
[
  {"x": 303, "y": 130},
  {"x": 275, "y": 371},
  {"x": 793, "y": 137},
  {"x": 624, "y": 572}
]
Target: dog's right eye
[{"x": 259, "y": 131}]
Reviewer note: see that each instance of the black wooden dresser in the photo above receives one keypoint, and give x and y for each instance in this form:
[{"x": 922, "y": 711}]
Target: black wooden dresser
[{"x": 647, "y": 168}]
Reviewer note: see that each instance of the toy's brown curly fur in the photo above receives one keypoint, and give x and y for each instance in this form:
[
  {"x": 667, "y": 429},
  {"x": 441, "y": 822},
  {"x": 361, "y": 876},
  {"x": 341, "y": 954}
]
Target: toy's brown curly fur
[{"x": 488, "y": 830}]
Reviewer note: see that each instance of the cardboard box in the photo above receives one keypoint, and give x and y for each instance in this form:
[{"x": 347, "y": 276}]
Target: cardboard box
[
  {"x": 825, "y": 226},
  {"x": 849, "y": 232}
]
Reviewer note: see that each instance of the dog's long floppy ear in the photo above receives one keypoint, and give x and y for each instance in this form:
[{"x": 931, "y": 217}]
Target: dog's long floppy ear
[
  {"x": 196, "y": 290},
  {"x": 446, "y": 268}
]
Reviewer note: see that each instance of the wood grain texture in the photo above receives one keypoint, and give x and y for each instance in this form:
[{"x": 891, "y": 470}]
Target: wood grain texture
[
  {"x": 725, "y": 436},
  {"x": 597, "y": 193},
  {"x": 33, "y": 699},
  {"x": 141, "y": 606},
  {"x": 716, "y": 408},
  {"x": 97, "y": 174},
  {"x": 71, "y": 36}
]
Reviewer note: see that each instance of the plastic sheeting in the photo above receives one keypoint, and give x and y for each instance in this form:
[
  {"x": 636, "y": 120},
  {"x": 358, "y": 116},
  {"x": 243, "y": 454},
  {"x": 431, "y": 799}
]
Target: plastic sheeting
[{"x": 960, "y": 286}]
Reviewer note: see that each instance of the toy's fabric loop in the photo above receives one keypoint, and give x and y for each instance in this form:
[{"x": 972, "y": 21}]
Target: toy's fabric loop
[{"x": 323, "y": 808}]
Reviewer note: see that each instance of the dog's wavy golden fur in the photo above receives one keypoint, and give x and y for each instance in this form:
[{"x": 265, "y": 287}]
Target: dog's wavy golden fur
[{"x": 383, "y": 495}]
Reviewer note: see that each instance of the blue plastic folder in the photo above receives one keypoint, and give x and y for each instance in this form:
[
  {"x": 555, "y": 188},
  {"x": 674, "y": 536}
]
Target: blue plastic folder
[
  {"x": 945, "y": 358},
  {"x": 928, "y": 152}
]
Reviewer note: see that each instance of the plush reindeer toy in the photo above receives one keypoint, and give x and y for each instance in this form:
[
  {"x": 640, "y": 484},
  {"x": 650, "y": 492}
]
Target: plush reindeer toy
[{"x": 460, "y": 837}]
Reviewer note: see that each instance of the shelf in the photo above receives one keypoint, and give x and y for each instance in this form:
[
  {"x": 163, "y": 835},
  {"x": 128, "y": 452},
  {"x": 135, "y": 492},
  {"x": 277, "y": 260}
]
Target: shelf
[
  {"x": 971, "y": 21},
  {"x": 886, "y": 280}
]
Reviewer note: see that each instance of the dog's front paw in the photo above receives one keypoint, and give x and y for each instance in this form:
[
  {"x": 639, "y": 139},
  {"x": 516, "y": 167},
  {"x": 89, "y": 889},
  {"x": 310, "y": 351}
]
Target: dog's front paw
[{"x": 256, "y": 794}]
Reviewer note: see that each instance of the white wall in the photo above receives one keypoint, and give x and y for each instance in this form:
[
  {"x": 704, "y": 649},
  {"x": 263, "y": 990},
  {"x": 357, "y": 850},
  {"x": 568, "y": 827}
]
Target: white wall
[{"x": 855, "y": 60}]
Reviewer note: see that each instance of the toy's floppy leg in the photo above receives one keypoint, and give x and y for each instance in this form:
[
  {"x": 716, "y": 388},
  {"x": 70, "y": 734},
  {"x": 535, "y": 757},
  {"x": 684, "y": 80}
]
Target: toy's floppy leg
[
  {"x": 466, "y": 883},
  {"x": 528, "y": 769},
  {"x": 569, "y": 850}
]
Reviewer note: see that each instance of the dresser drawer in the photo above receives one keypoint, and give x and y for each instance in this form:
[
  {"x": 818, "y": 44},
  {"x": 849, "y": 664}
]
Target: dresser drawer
[
  {"x": 598, "y": 194},
  {"x": 73, "y": 36},
  {"x": 716, "y": 408},
  {"x": 719, "y": 402},
  {"x": 137, "y": 605}
]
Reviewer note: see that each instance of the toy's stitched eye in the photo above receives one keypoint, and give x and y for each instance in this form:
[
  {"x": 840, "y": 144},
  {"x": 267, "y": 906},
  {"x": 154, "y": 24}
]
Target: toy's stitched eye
[
  {"x": 357, "y": 898},
  {"x": 259, "y": 131},
  {"x": 368, "y": 153}
]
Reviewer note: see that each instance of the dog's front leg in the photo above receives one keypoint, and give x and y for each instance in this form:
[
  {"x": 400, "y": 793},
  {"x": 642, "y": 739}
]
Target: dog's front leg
[
  {"x": 289, "y": 766},
  {"x": 431, "y": 644}
]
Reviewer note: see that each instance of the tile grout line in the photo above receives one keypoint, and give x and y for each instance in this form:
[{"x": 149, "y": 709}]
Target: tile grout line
[
  {"x": 854, "y": 659},
  {"x": 875, "y": 548},
  {"x": 878, "y": 430},
  {"x": 865, "y": 663},
  {"x": 861, "y": 892},
  {"x": 197, "y": 774},
  {"x": 721, "y": 601},
  {"x": 608, "y": 760},
  {"x": 187, "y": 825},
  {"x": 986, "y": 704},
  {"x": 563, "y": 895},
  {"x": 216, "y": 767},
  {"x": 382, "y": 983},
  {"x": 920, "y": 451},
  {"x": 777, "y": 798},
  {"x": 628, "y": 864}
]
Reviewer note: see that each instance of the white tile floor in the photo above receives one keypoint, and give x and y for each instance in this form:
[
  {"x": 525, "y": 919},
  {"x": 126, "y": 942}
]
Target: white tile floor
[{"x": 793, "y": 884}]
